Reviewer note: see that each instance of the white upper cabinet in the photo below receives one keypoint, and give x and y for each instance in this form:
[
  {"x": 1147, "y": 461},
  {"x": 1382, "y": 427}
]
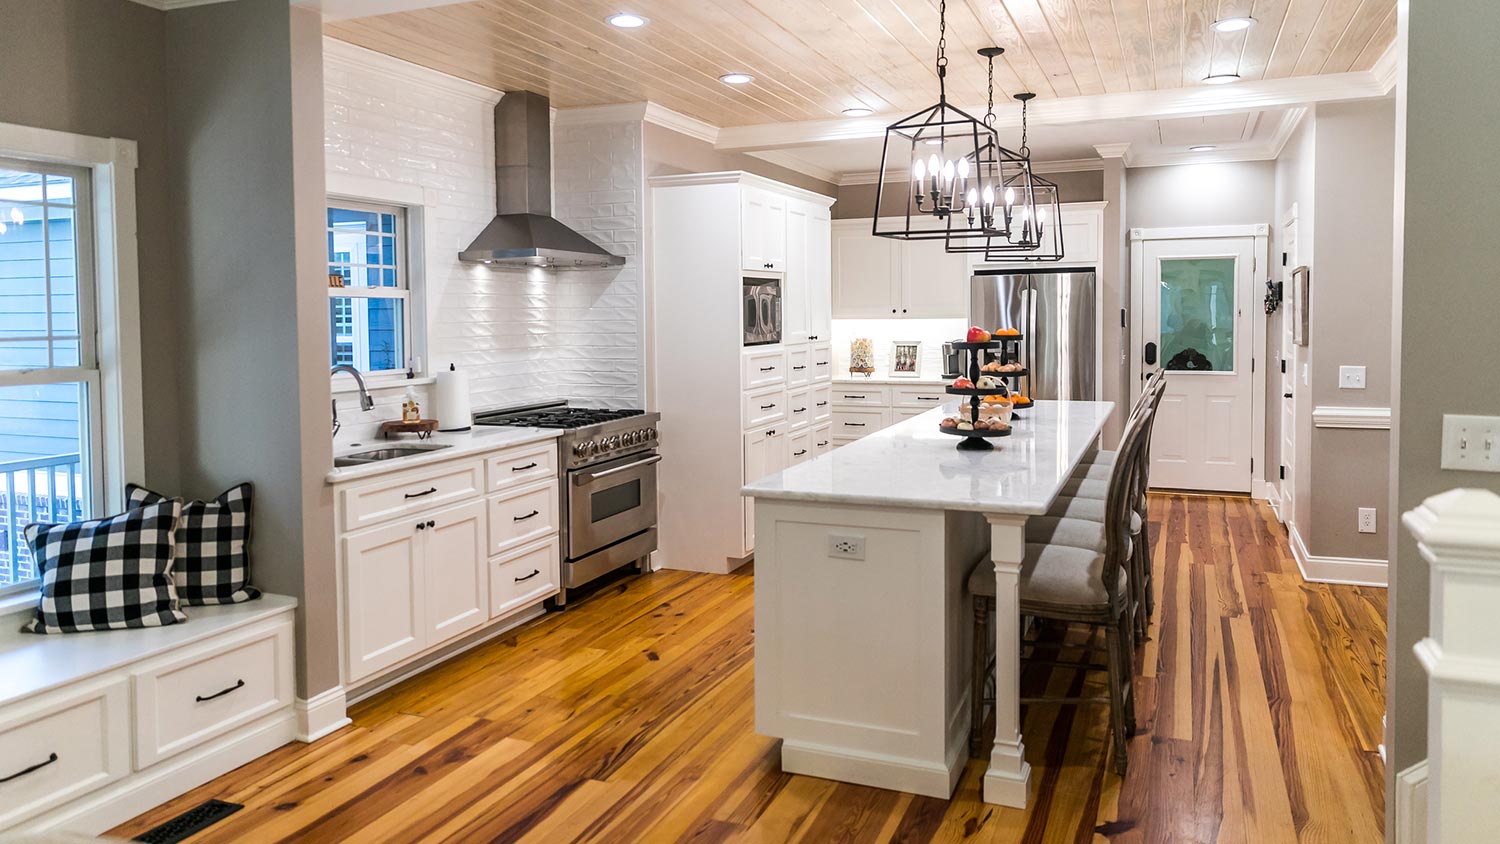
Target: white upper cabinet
[
  {"x": 866, "y": 275},
  {"x": 819, "y": 276},
  {"x": 1083, "y": 239},
  {"x": 796, "y": 286},
  {"x": 764, "y": 223},
  {"x": 934, "y": 281}
]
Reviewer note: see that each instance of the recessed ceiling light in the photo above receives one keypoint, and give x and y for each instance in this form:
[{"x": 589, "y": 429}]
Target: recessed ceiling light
[
  {"x": 1202, "y": 148},
  {"x": 626, "y": 20},
  {"x": 1233, "y": 24},
  {"x": 858, "y": 111},
  {"x": 737, "y": 78},
  {"x": 1221, "y": 79}
]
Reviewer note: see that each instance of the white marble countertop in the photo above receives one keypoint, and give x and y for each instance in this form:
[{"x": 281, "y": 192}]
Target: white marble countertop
[
  {"x": 478, "y": 439},
  {"x": 912, "y": 464}
]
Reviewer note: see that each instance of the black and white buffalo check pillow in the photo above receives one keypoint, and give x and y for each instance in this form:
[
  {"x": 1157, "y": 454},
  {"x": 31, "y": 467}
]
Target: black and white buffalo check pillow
[
  {"x": 107, "y": 574},
  {"x": 213, "y": 546}
]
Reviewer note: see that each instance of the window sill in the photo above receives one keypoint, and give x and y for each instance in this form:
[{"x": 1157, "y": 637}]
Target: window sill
[
  {"x": 17, "y": 603},
  {"x": 347, "y": 387}
]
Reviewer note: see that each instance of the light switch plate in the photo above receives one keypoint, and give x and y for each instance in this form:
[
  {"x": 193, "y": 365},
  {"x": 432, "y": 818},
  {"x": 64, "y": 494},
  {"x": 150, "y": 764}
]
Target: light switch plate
[
  {"x": 1471, "y": 443},
  {"x": 1367, "y": 520},
  {"x": 1351, "y": 378}
]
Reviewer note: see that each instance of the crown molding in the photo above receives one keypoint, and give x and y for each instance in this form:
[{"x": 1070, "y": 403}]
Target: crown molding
[
  {"x": 666, "y": 118},
  {"x": 1066, "y": 165},
  {"x": 739, "y": 177},
  {"x": 1387, "y": 68},
  {"x": 596, "y": 115},
  {"x": 792, "y": 162},
  {"x": 1112, "y": 150},
  {"x": 338, "y": 54},
  {"x": 1255, "y": 95}
]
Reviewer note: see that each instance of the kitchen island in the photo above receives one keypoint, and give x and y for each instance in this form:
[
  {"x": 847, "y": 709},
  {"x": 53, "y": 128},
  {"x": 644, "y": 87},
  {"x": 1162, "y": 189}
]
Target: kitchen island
[{"x": 862, "y": 654}]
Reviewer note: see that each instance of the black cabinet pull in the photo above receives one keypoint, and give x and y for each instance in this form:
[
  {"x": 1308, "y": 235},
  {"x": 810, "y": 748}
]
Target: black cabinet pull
[
  {"x": 855, "y": 397},
  {"x": 422, "y": 493},
  {"x": 771, "y": 433},
  {"x": 767, "y": 406},
  {"x": 51, "y": 757},
  {"x": 239, "y": 684},
  {"x": 929, "y": 398},
  {"x": 421, "y": 526},
  {"x": 812, "y": 336},
  {"x": 799, "y": 453},
  {"x": 534, "y": 573},
  {"x": 431, "y": 523},
  {"x": 822, "y": 404},
  {"x": 798, "y": 368},
  {"x": 523, "y": 468},
  {"x": 768, "y": 369},
  {"x": 855, "y": 424},
  {"x": 1286, "y": 395},
  {"x": 532, "y": 514},
  {"x": 821, "y": 444},
  {"x": 822, "y": 363},
  {"x": 799, "y": 410}
]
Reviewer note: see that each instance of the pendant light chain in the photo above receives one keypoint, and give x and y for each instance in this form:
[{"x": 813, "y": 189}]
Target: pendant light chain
[
  {"x": 989, "y": 116},
  {"x": 1025, "y": 148},
  {"x": 942, "y": 51}
]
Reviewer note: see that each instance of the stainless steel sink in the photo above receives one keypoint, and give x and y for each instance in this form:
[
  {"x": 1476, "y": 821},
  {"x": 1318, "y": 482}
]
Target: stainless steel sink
[{"x": 392, "y": 452}]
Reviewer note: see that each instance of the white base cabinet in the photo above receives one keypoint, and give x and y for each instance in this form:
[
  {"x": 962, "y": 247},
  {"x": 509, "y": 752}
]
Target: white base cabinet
[{"x": 862, "y": 409}]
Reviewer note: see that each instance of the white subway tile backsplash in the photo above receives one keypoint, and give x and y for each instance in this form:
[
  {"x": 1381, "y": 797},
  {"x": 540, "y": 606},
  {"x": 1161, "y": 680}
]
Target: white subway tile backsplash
[{"x": 523, "y": 336}]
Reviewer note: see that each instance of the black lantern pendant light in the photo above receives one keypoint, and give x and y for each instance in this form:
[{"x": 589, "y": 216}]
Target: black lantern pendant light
[
  {"x": 991, "y": 204},
  {"x": 937, "y": 147},
  {"x": 1036, "y": 231}
]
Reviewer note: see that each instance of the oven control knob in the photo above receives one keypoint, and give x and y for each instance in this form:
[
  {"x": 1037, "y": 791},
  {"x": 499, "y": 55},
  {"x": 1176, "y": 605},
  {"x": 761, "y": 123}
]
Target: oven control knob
[
  {"x": 631, "y": 438},
  {"x": 583, "y": 449},
  {"x": 609, "y": 442}
]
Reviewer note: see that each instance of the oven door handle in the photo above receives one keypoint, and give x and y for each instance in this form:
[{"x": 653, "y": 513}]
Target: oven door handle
[{"x": 583, "y": 478}]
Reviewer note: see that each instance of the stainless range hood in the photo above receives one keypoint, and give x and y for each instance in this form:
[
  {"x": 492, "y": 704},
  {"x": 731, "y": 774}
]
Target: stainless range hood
[{"x": 524, "y": 233}]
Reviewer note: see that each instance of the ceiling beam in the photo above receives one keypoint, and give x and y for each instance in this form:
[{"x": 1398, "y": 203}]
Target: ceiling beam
[{"x": 1249, "y": 96}]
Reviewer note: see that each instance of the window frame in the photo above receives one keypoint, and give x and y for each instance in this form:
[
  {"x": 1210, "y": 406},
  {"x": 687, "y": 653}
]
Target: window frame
[
  {"x": 115, "y": 412},
  {"x": 407, "y": 283}
]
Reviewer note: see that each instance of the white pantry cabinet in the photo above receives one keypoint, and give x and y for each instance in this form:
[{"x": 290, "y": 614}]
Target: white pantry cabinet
[{"x": 729, "y": 412}]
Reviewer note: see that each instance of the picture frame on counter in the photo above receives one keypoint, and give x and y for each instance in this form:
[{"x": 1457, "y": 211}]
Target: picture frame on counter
[{"x": 906, "y": 358}]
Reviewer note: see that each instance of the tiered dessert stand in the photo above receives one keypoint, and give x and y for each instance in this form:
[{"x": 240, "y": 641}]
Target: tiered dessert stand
[{"x": 979, "y": 439}]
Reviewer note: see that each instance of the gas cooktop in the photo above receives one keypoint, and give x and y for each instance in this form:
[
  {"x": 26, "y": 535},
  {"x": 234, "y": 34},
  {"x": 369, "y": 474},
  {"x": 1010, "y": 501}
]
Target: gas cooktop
[{"x": 553, "y": 417}]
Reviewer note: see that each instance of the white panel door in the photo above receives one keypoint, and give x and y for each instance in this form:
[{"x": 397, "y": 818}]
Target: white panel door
[
  {"x": 763, "y": 230},
  {"x": 819, "y": 276},
  {"x": 796, "y": 285},
  {"x": 1196, "y": 325},
  {"x": 934, "y": 281},
  {"x": 1290, "y": 361},
  {"x": 455, "y": 560},
  {"x": 384, "y": 597},
  {"x": 865, "y": 275}
]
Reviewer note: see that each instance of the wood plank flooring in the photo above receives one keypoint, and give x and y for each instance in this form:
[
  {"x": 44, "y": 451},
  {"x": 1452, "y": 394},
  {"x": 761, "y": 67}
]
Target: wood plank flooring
[{"x": 629, "y": 718}]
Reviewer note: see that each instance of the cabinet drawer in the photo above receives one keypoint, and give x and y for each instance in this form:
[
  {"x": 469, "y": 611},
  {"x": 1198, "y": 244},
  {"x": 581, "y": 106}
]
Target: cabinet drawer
[
  {"x": 185, "y": 702},
  {"x": 799, "y": 447},
  {"x": 857, "y": 423},
  {"x": 822, "y": 403},
  {"x": 822, "y": 439},
  {"x": 764, "y": 407},
  {"x": 523, "y": 516},
  {"x": 62, "y": 746},
  {"x": 799, "y": 408},
  {"x": 520, "y": 466},
  {"x": 524, "y": 577},
  {"x": 392, "y": 496},
  {"x": 822, "y": 361},
  {"x": 859, "y": 395},
  {"x": 928, "y": 397},
  {"x": 799, "y": 365},
  {"x": 764, "y": 368}
]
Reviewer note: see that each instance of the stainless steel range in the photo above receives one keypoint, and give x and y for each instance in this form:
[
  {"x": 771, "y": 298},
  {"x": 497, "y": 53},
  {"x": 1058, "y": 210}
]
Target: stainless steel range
[{"x": 608, "y": 486}]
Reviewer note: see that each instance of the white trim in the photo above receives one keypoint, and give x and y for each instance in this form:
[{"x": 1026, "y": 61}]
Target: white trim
[
  {"x": 870, "y": 177},
  {"x": 598, "y": 115},
  {"x": 791, "y": 162},
  {"x": 1387, "y": 67},
  {"x": 1371, "y": 418},
  {"x": 170, "y": 5},
  {"x": 740, "y": 177},
  {"x": 322, "y": 714},
  {"x": 1200, "y": 232},
  {"x": 337, "y": 54},
  {"x": 1113, "y": 150},
  {"x": 1349, "y": 571},
  {"x": 877, "y": 770},
  {"x": 1263, "y": 490},
  {"x": 369, "y": 189},
  {"x": 1411, "y": 805},
  {"x": 1194, "y": 101},
  {"x": 681, "y": 123}
]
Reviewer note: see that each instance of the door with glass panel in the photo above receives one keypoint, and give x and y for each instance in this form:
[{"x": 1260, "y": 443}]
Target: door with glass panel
[
  {"x": 49, "y": 372},
  {"x": 1196, "y": 325}
]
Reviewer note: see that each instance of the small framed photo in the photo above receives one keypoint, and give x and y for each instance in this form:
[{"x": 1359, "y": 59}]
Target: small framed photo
[
  {"x": 1301, "y": 304},
  {"x": 906, "y": 358}
]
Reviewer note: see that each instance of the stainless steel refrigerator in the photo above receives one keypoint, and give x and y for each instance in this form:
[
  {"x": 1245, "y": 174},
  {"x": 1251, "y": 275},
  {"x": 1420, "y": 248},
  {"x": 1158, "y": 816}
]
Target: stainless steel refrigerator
[{"x": 1056, "y": 313}]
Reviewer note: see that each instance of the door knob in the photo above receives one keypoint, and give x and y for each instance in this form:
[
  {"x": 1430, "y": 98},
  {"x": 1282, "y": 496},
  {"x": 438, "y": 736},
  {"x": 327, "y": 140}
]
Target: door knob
[
  {"x": 1286, "y": 395},
  {"x": 1150, "y": 354}
]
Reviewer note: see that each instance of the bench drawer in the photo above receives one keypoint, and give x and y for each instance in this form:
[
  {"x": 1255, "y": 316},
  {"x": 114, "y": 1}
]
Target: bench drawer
[
  {"x": 523, "y": 516},
  {"x": 185, "y": 702},
  {"x": 406, "y": 493},
  {"x": 524, "y": 577},
  {"x": 520, "y": 466},
  {"x": 62, "y": 746}
]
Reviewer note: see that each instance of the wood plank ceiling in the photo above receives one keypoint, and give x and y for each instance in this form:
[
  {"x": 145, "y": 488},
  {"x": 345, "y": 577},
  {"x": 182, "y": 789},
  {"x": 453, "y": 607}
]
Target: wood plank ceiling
[{"x": 813, "y": 58}]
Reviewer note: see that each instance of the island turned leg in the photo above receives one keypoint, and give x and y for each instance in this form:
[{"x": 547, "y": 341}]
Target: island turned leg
[{"x": 1009, "y": 776}]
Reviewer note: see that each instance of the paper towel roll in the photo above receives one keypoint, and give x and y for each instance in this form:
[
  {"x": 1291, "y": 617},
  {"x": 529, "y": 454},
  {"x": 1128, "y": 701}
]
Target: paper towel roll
[{"x": 450, "y": 400}]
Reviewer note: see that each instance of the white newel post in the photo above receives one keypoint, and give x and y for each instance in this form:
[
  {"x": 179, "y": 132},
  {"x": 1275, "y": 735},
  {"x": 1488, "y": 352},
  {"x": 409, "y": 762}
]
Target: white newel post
[
  {"x": 1009, "y": 776},
  {"x": 1459, "y": 535}
]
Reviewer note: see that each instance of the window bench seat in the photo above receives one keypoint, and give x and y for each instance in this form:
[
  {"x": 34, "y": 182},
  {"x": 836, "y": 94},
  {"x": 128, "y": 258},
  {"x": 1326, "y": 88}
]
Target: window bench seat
[{"x": 96, "y": 728}]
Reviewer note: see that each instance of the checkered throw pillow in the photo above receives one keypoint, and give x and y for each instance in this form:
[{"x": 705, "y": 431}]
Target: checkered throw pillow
[
  {"x": 213, "y": 546},
  {"x": 107, "y": 574}
]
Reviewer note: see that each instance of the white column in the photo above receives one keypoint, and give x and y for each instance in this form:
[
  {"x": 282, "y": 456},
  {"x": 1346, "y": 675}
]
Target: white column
[
  {"x": 1009, "y": 776},
  {"x": 1458, "y": 533}
]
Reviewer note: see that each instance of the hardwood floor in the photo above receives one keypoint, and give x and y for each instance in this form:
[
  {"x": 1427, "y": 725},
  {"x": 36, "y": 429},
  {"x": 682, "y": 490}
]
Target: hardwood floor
[{"x": 629, "y": 718}]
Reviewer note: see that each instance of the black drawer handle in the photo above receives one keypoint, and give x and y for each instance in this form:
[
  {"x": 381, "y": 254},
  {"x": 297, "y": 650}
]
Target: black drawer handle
[
  {"x": 798, "y": 368},
  {"x": 855, "y": 424},
  {"x": 821, "y": 444},
  {"x": 532, "y": 514},
  {"x": 799, "y": 453},
  {"x": 929, "y": 398},
  {"x": 799, "y": 410},
  {"x": 523, "y": 468},
  {"x": 768, "y": 369},
  {"x": 822, "y": 363},
  {"x": 239, "y": 684},
  {"x": 822, "y": 404},
  {"x": 51, "y": 757},
  {"x": 812, "y": 336},
  {"x": 855, "y": 397},
  {"x": 422, "y": 493},
  {"x": 767, "y": 406},
  {"x": 534, "y": 573}
]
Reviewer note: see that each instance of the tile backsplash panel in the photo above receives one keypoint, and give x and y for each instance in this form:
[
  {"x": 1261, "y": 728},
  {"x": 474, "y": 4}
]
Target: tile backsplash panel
[
  {"x": 883, "y": 332},
  {"x": 523, "y": 336}
]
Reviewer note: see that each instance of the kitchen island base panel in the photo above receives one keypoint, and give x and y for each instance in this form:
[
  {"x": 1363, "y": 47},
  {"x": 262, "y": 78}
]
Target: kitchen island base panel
[
  {"x": 897, "y": 774},
  {"x": 862, "y": 665}
]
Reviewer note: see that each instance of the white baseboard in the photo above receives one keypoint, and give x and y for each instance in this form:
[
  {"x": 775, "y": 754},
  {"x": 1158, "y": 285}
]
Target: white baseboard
[
  {"x": 1262, "y": 490},
  {"x": 322, "y": 714},
  {"x": 1411, "y": 805},
  {"x": 1349, "y": 571},
  {"x": 114, "y": 804},
  {"x": 1272, "y": 496},
  {"x": 877, "y": 771}
]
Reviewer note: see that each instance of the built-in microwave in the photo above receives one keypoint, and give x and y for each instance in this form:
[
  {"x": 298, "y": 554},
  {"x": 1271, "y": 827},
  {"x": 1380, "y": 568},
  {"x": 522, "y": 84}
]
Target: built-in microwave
[{"x": 762, "y": 309}]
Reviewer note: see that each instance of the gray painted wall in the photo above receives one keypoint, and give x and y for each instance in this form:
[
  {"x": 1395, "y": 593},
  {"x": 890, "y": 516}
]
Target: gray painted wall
[
  {"x": 1448, "y": 302},
  {"x": 1234, "y": 194},
  {"x": 98, "y": 67},
  {"x": 858, "y": 201},
  {"x": 246, "y": 139}
]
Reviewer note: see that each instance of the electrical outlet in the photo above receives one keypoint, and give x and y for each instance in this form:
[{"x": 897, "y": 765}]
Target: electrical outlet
[
  {"x": 846, "y": 547},
  {"x": 1471, "y": 443},
  {"x": 1351, "y": 378},
  {"x": 1367, "y": 520}
]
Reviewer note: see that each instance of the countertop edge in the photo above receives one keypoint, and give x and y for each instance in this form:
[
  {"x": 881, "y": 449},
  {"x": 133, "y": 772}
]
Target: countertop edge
[
  {"x": 857, "y": 500},
  {"x": 476, "y": 444}
]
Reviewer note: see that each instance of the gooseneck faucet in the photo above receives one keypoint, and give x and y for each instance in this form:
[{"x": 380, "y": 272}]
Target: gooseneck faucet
[{"x": 365, "y": 402}]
